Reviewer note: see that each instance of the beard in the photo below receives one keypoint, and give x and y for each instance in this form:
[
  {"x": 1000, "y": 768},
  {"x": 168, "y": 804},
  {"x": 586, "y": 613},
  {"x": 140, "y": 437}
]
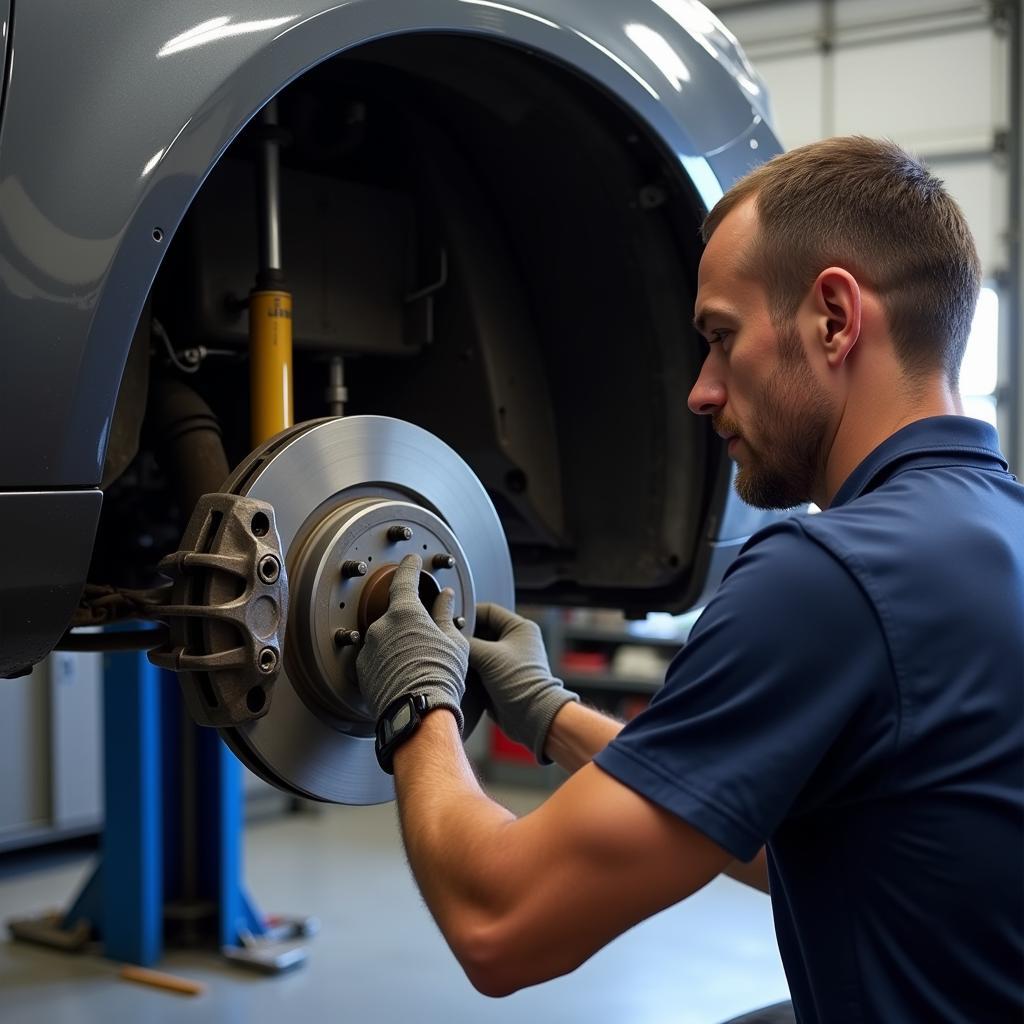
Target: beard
[{"x": 786, "y": 438}]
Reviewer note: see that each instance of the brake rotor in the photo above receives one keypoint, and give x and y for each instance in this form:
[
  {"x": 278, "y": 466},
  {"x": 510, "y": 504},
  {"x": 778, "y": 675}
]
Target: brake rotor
[{"x": 351, "y": 498}]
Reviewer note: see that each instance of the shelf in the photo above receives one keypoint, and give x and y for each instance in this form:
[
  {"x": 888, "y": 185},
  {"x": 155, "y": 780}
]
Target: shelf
[
  {"x": 610, "y": 681},
  {"x": 620, "y": 636}
]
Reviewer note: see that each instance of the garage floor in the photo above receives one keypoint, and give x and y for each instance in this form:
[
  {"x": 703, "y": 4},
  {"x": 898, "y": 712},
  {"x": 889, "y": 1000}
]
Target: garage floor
[{"x": 379, "y": 957}]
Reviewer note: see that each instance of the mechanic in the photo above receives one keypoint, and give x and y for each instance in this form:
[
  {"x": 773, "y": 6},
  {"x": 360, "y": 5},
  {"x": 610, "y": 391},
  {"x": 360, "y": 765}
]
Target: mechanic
[{"x": 850, "y": 700}]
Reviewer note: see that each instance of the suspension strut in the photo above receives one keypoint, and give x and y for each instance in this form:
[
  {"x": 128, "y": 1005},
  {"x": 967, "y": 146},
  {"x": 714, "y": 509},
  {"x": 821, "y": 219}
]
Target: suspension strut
[{"x": 271, "y": 383}]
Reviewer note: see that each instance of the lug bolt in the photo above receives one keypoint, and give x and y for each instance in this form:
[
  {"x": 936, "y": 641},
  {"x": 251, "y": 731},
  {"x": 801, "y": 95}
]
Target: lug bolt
[
  {"x": 443, "y": 562},
  {"x": 353, "y": 568},
  {"x": 460, "y": 621},
  {"x": 347, "y": 637},
  {"x": 269, "y": 569},
  {"x": 267, "y": 660},
  {"x": 398, "y": 533}
]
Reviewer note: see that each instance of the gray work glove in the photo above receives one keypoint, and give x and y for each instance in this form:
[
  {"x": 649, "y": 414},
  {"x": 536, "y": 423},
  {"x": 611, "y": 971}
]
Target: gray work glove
[
  {"x": 407, "y": 650},
  {"x": 509, "y": 656}
]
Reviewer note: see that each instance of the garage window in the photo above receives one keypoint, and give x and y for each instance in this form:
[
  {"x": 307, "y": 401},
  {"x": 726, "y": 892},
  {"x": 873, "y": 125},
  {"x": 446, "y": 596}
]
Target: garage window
[{"x": 979, "y": 373}]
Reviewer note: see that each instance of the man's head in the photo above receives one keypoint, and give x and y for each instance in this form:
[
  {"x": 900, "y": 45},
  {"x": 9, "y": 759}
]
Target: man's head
[{"x": 826, "y": 264}]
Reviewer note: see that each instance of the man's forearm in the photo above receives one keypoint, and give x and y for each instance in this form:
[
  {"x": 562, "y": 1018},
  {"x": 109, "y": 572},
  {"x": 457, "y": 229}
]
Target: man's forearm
[
  {"x": 440, "y": 800},
  {"x": 493, "y": 882},
  {"x": 453, "y": 837},
  {"x": 578, "y": 734},
  {"x": 457, "y": 838}
]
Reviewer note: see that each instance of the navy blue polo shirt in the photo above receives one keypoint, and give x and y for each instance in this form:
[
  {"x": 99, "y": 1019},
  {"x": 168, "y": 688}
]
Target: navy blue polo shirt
[{"x": 853, "y": 697}]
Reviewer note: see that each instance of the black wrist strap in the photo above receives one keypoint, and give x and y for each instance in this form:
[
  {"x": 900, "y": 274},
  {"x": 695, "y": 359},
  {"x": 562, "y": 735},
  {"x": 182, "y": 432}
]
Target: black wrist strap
[{"x": 400, "y": 719}]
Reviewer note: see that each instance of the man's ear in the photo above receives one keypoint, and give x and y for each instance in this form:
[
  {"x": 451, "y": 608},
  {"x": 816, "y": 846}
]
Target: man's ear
[{"x": 837, "y": 307}]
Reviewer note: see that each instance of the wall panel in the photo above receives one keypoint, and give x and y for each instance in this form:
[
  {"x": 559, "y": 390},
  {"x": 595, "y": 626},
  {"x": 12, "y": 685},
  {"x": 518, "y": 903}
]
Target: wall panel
[
  {"x": 797, "y": 97},
  {"x": 932, "y": 93}
]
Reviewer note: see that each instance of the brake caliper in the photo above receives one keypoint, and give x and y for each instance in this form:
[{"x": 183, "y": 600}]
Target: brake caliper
[{"x": 227, "y": 612}]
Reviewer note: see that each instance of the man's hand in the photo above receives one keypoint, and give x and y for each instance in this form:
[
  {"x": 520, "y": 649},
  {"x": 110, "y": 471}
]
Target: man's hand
[
  {"x": 407, "y": 650},
  {"x": 509, "y": 655}
]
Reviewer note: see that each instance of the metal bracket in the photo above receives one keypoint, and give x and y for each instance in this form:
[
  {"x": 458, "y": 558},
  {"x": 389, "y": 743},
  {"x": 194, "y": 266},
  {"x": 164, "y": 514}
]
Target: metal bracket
[
  {"x": 51, "y": 931},
  {"x": 227, "y": 612},
  {"x": 277, "y": 950},
  {"x": 427, "y": 293}
]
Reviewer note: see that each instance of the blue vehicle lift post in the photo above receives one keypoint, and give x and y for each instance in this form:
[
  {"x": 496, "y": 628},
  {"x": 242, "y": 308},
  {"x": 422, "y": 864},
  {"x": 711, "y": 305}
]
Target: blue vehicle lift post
[{"x": 170, "y": 867}]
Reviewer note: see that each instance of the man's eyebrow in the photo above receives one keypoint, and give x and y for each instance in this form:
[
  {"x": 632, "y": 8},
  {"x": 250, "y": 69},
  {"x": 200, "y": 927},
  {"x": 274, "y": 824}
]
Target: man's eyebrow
[{"x": 712, "y": 312}]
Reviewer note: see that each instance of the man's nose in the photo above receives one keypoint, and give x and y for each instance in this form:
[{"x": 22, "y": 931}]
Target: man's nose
[{"x": 708, "y": 394}]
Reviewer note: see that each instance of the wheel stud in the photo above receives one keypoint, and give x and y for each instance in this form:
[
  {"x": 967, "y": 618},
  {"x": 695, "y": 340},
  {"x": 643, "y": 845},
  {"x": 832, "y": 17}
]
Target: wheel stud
[
  {"x": 398, "y": 533},
  {"x": 353, "y": 568},
  {"x": 443, "y": 562},
  {"x": 460, "y": 621},
  {"x": 347, "y": 637}
]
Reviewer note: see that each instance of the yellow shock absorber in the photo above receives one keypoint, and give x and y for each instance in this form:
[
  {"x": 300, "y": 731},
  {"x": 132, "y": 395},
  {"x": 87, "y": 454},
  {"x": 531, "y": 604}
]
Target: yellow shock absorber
[{"x": 270, "y": 362}]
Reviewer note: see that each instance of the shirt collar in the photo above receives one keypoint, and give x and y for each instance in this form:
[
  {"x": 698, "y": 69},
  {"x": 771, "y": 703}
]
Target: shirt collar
[{"x": 971, "y": 440}]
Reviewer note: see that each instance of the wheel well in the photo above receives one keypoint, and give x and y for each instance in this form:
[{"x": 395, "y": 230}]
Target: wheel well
[{"x": 500, "y": 252}]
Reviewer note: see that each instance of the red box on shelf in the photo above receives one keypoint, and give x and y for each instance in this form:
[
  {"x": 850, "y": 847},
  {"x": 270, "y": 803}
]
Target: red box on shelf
[{"x": 584, "y": 661}]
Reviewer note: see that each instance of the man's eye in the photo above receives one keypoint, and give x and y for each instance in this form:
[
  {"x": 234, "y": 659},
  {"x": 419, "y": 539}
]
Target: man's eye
[{"x": 719, "y": 335}]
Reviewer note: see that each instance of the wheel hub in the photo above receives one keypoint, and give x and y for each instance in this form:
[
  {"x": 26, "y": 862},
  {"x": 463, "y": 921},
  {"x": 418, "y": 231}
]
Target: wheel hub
[{"x": 341, "y": 579}]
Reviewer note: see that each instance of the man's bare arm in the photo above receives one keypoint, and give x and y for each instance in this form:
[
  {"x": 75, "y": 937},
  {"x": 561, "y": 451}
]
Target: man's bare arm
[
  {"x": 519, "y": 900},
  {"x": 753, "y": 872},
  {"x": 578, "y": 734},
  {"x": 524, "y": 900}
]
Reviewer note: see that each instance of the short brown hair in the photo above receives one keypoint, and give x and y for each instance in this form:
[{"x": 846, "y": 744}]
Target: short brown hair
[{"x": 868, "y": 206}]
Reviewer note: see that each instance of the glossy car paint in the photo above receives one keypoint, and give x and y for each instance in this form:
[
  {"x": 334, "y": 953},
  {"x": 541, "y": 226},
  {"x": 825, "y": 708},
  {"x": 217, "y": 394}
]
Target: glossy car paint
[{"x": 5, "y": 37}]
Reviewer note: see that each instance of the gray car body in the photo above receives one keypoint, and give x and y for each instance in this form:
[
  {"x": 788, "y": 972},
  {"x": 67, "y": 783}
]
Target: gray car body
[{"x": 113, "y": 115}]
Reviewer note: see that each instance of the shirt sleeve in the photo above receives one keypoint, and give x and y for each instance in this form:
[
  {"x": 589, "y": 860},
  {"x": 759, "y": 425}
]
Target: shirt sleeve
[{"x": 784, "y": 661}]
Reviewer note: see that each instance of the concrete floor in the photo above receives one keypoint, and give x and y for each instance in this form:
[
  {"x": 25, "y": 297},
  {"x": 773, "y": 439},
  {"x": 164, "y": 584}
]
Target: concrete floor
[{"x": 379, "y": 957}]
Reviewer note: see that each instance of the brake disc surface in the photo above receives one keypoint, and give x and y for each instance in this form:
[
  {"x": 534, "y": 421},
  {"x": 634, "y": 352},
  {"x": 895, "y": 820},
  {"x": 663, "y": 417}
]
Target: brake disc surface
[{"x": 351, "y": 497}]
